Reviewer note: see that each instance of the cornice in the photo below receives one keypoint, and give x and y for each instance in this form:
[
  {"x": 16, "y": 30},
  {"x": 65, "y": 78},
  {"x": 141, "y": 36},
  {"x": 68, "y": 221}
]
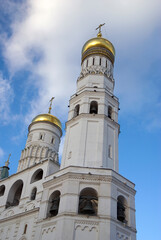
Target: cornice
[
  {"x": 94, "y": 117},
  {"x": 94, "y": 178},
  {"x": 19, "y": 215},
  {"x": 90, "y": 92},
  {"x": 53, "y": 124}
]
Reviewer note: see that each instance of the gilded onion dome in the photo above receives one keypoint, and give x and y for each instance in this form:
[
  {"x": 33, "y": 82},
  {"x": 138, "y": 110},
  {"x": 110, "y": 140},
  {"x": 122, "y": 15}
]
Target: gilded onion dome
[
  {"x": 98, "y": 45},
  {"x": 47, "y": 118}
]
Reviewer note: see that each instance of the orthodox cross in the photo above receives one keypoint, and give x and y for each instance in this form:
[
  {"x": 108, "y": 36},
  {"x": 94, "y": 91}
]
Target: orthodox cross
[
  {"x": 99, "y": 27},
  {"x": 51, "y": 101}
]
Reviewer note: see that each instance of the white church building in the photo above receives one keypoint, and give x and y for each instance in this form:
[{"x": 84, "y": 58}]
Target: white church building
[{"x": 84, "y": 197}]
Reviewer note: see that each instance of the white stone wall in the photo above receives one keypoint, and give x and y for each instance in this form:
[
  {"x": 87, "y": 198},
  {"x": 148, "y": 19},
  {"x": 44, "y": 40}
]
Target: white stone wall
[
  {"x": 68, "y": 224},
  {"x": 13, "y": 219},
  {"x": 87, "y": 142},
  {"x": 92, "y": 139}
]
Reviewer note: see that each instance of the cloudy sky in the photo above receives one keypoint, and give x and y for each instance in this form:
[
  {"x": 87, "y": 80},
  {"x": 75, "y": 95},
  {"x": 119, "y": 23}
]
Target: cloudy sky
[{"x": 40, "y": 56}]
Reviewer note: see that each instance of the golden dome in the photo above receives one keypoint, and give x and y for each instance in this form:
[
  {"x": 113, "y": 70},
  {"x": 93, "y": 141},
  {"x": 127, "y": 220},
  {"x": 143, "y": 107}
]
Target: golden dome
[
  {"x": 47, "y": 118},
  {"x": 98, "y": 45}
]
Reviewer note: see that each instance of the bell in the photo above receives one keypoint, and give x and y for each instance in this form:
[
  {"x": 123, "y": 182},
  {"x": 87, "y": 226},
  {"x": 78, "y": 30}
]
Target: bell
[
  {"x": 54, "y": 208},
  {"x": 88, "y": 208},
  {"x": 120, "y": 212},
  {"x": 93, "y": 110},
  {"x": 8, "y": 204}
]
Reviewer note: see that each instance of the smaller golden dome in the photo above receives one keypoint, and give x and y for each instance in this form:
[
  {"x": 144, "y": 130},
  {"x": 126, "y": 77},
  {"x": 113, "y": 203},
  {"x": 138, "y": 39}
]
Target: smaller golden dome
[
  {"x": 98, "y": 45},
  {"x": 47, "y": 118}
]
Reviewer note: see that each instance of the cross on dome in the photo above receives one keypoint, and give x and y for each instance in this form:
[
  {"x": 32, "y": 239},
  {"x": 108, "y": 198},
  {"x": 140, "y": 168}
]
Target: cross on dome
[
  {"x": 51, "y": 101},
  {"x": 99, "y": 32}
]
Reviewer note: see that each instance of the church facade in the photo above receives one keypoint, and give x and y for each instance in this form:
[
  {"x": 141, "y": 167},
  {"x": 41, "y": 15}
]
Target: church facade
[{"x": 84, "y": 197}]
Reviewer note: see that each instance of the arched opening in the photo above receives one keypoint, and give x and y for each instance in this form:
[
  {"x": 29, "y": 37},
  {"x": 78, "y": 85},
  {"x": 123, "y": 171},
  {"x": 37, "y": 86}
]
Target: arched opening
[
  {"x": 37, "y": 175},
  {"x": 94, "y": 107},
  {"x": 53, "y": 205},
  {"x": 100, "y": 62},
  {"x": 87, "y": 63},
  {"x": 33, "y": 194},
  {"x": 2, "y": 190},
  {"x": 25, "y": 229},
  {"x": 93, "y": 61},
  {"x": 110, "y": 151},
  {"x": 40, "y": 137},
  {"x": 14, "y": 194},
  {"x": 88, "y": 202},
  {"x": 110, "y": 112},
  {"x": 121, "y": 209},
  {"x": 52, "y": 140},
  {"x": 76, "y": 110}
]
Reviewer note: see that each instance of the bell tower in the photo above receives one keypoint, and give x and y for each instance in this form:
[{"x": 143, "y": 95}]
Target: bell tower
[
  {"x": 96, "y": 202},
  {"x": 92, "y": 128},
  {"x": 86, "y": 198}
]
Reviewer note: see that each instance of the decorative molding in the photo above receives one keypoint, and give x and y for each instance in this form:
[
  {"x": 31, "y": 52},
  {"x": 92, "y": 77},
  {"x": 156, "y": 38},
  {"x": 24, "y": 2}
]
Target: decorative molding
[
  {"x": 29, "y": 206},
  {"x": 94, "y": 178},
  {"x": 123, "y": 231},
  {"x": 18, "y": 215},
  {"x": 121, "y": 236},
  {"x": 80, "y": 222},
  {"x": 48, "y": 229},
  {"x": 108, "y": 72},
  {"x": 86, "y": 225},
  {"x": 23, "y": 238},
  {"x": 9, "y": 213}
]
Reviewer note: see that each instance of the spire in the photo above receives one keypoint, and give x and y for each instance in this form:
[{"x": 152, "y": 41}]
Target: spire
[
  {"x": 50, "y": 107},
  {"x": 99, "y": 32},
  {"x": 5, "y": 169},
  {"x": 7, "y": 162}
]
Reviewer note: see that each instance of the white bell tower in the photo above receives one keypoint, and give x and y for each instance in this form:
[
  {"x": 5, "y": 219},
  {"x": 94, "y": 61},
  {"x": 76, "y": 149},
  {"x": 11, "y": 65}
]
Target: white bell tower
[
  {"x": 86, "y": 198},
  {"x": 92, "y": 128}
]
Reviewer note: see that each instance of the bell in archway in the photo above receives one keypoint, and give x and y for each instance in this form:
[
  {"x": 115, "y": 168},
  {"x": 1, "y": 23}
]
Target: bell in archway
[
  {"x": 93, "y": 110},
  {"x": 54, "y": 208},
  {"x": 88, "y": 208},
  {"x": 120, "y": 212}
]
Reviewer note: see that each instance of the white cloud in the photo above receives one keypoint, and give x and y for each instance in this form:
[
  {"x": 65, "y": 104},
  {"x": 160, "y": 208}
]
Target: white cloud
[
  {"x": 6, "y": 97},
  {"x": 1, "y": 156},
  {"x": 49, "y": 37},
  {"x": 1, "y": 152}
]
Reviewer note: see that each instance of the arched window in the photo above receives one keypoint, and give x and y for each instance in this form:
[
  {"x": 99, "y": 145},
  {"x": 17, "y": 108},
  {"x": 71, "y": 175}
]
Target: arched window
[
  {"x": 94, "y": 107},
  {"x": 52, "y": 140},
  {"x": 88, "y": 202},
  {"x": 53, "y": 205},
  {"x": 37, "y": 175},
  {"x": 25, "y": 229},
  {"x": 76, "y": 110},
  {"x": 100, "y": 62},
  {"x": 121, "y": 209},
  {"x": 110, "y": 151},
  {"x": 41, "y": 136},
  {"x": 2, "y": 190},
  {"x": 14, "y": 194},
  {"x": 87, "y": 63},
  {"x": 110, "y": 112},
  {"x": 33, "y": 194},
  {"x": 93, "y": 61}
]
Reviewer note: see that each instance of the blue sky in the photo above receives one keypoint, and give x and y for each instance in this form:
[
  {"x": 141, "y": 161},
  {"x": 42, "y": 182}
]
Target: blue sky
[{"x": 40, "y": 56}]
